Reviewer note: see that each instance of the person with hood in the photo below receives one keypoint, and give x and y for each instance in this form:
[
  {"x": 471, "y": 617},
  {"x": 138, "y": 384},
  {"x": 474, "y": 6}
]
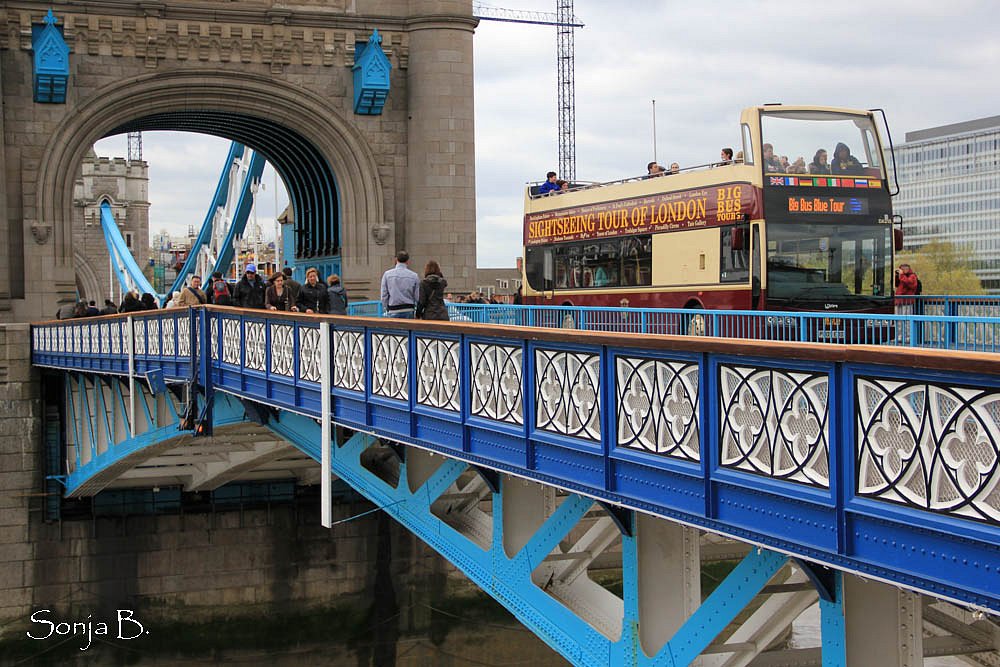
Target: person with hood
[
  {"x": 148, "y": 301},
  {"x": 313, "y": 297},
  {"x": 845, "y": 164},
  {"x": 430, "y": 304},
  {"x": 337, "y": 295},
  {"x": 250, "y": 290},
  {"x": 131, "y": 303},
  {"x": 819, "y": 165}
]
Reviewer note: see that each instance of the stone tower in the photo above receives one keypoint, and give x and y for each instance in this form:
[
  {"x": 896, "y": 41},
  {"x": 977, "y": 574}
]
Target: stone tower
[
  {"x": 124, "y": 184},
  {"x": 275, "y": 75}
]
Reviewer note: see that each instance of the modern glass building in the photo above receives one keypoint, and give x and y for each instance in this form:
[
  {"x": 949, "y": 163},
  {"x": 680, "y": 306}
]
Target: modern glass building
[{"x": 949, "y": 178}]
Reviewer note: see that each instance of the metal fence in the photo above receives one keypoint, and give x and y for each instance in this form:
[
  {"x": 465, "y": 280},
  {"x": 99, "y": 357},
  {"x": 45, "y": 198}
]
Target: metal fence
[{"x": 950, "y": 323}]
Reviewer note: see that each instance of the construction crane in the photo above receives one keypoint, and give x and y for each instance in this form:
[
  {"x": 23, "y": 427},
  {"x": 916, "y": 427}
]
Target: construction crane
[
  {"x": 565, "y": 22},
  {"x": 135, "y": 145}
]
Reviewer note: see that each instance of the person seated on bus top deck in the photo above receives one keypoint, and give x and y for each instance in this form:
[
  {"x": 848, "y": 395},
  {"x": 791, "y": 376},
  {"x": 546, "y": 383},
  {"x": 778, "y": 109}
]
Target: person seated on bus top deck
[
  {"x": 653, "y": 169},
  {"x": 845, "y": 163},
  {"x": 549, "y": 185},
  {"x": 600, "y": 277},
  {"x": 771, "y": 163},
  {"x": 725, "y": 156},
  {"x": 738, "y": 159},
  {"x": 819, "y": 165},
  {"x": 563, "y": 185},
  {"x": 675, "y": 168},
  {"x": 798, "y": 167}
]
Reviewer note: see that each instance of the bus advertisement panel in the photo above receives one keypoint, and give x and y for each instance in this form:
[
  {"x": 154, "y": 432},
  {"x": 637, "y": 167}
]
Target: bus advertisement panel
[{"x": 724, "y": 204}]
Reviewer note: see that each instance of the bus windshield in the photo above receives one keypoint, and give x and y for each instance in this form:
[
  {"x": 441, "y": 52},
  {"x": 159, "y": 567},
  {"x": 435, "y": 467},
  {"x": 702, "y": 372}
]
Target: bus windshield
[
  {"x": 819, "y": 143},
  {"x": 840, "y": 264}
]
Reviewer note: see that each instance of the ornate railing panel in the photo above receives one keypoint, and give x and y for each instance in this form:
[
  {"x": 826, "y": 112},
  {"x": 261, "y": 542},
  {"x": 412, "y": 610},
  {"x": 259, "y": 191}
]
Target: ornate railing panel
[
  {"x": 929, "y": 446},
  {"x": 774, "y": 422}
]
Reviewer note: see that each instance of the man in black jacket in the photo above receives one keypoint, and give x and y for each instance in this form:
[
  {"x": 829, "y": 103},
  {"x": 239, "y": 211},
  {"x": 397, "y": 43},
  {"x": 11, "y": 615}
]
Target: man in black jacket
[
  {"x": 313, "y": 297},
  {"x": 250, "y": 290}
]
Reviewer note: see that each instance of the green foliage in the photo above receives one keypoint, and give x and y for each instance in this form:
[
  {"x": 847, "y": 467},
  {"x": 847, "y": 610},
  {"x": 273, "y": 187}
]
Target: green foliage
[{"x": 943, "y": 268}]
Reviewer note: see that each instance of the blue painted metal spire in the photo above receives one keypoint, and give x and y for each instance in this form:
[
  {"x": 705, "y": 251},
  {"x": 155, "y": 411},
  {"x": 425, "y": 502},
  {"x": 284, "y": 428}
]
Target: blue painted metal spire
[
  {"x": 371, "y": 76},
  {"x": 51, "y": 62}
]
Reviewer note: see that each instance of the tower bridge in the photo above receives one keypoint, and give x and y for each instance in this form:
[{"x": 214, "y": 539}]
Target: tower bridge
[{"x": 861, "y": 477}]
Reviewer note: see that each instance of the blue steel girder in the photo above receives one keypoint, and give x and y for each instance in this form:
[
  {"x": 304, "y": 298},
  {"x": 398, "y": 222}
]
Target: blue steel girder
[
  {"x": 787, "y": 446},
  {"x": 155, "y": 430},
  {"x": 509, "y": 578}
]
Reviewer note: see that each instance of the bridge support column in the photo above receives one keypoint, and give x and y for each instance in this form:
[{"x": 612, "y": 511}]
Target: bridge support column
[
  {"x": 420, "y": 466},
  {"x": 668, "y": 578},
  {"x": 882, "y": 625},
  {"x": 440, "y": 177},
  {"x": 526, "y": 505}
]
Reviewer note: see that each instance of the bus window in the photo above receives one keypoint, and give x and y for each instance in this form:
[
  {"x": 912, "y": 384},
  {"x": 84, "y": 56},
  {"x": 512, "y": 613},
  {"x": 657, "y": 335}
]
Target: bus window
[
  {"x": 624, "y": 262},
  {"x": 871, "y": 148},
  {"x": 815, "y": 135},
  {"x": 734, "y": 254},
  {"x": 829, "y": 263},
  {"x": 747, "y": 145},
  {"x": 538, "y": 268}
]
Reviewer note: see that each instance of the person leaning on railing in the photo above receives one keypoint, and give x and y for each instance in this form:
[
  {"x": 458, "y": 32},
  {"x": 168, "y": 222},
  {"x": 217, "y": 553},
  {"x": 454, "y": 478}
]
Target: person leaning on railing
[
  {"x": 279, "y": 295},
  {"x": 313, "y": 297}
]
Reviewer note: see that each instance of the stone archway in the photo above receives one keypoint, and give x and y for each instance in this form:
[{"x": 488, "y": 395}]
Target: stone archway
[
  {"x": 87, "y": 281},
  {"x": 219, "y": 92}
]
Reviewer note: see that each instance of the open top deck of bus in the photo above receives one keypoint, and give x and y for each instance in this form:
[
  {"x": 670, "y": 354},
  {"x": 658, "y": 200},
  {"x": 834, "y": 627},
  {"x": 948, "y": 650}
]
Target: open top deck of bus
[{"x": 716, "y": 235}]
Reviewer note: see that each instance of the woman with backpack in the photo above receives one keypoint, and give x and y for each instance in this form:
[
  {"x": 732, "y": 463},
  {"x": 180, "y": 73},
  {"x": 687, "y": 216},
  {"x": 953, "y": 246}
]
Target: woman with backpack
[{"x": 219, "y": 292}]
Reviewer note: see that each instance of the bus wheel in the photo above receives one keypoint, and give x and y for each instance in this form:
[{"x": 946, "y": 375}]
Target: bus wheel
[{"x": 696, "y": 323}]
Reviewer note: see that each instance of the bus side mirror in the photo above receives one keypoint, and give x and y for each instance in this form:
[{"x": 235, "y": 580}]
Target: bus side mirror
[
  {"x": 897, "y": 239},
  {"x": 738, "y": 239}
]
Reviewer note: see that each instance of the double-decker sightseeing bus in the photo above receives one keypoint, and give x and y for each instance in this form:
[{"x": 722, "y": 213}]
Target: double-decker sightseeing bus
[{"x": 816, "y": 234}]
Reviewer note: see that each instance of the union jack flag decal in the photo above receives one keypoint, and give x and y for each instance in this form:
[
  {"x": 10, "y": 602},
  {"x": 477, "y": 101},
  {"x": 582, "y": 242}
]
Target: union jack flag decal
[{"x": 777, "y": 180}]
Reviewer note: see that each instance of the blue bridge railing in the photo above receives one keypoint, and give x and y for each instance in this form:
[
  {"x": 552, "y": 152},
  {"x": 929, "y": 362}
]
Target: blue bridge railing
[
  {"x": 874, "y": 460},
  {"x": 950, "y": 323}
]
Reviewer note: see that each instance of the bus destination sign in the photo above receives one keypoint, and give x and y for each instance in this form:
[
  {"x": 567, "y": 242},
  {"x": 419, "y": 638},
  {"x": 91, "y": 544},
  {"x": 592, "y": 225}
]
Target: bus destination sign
[
  {"x": 828, "y": 205},
  {"x": 669, "y": 211}
]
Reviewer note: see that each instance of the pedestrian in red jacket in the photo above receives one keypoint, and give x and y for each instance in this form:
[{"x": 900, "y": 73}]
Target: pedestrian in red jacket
[{"x": 906, "y": 281}]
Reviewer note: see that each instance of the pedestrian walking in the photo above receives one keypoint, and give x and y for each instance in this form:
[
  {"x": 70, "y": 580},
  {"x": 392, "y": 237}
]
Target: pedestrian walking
[
  {"x": 400, "y": 288},
  {"x": 430, "y": 303},
  {"x": 337, "y": 295}
]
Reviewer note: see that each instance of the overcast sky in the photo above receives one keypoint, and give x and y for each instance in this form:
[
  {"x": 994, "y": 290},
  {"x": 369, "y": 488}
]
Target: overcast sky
[{"x": 927, "y": 63}]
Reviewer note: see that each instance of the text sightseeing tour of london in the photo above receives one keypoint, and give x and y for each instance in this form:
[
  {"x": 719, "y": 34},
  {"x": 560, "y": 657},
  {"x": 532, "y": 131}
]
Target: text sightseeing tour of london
[{"x": 702, "y": 207}]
